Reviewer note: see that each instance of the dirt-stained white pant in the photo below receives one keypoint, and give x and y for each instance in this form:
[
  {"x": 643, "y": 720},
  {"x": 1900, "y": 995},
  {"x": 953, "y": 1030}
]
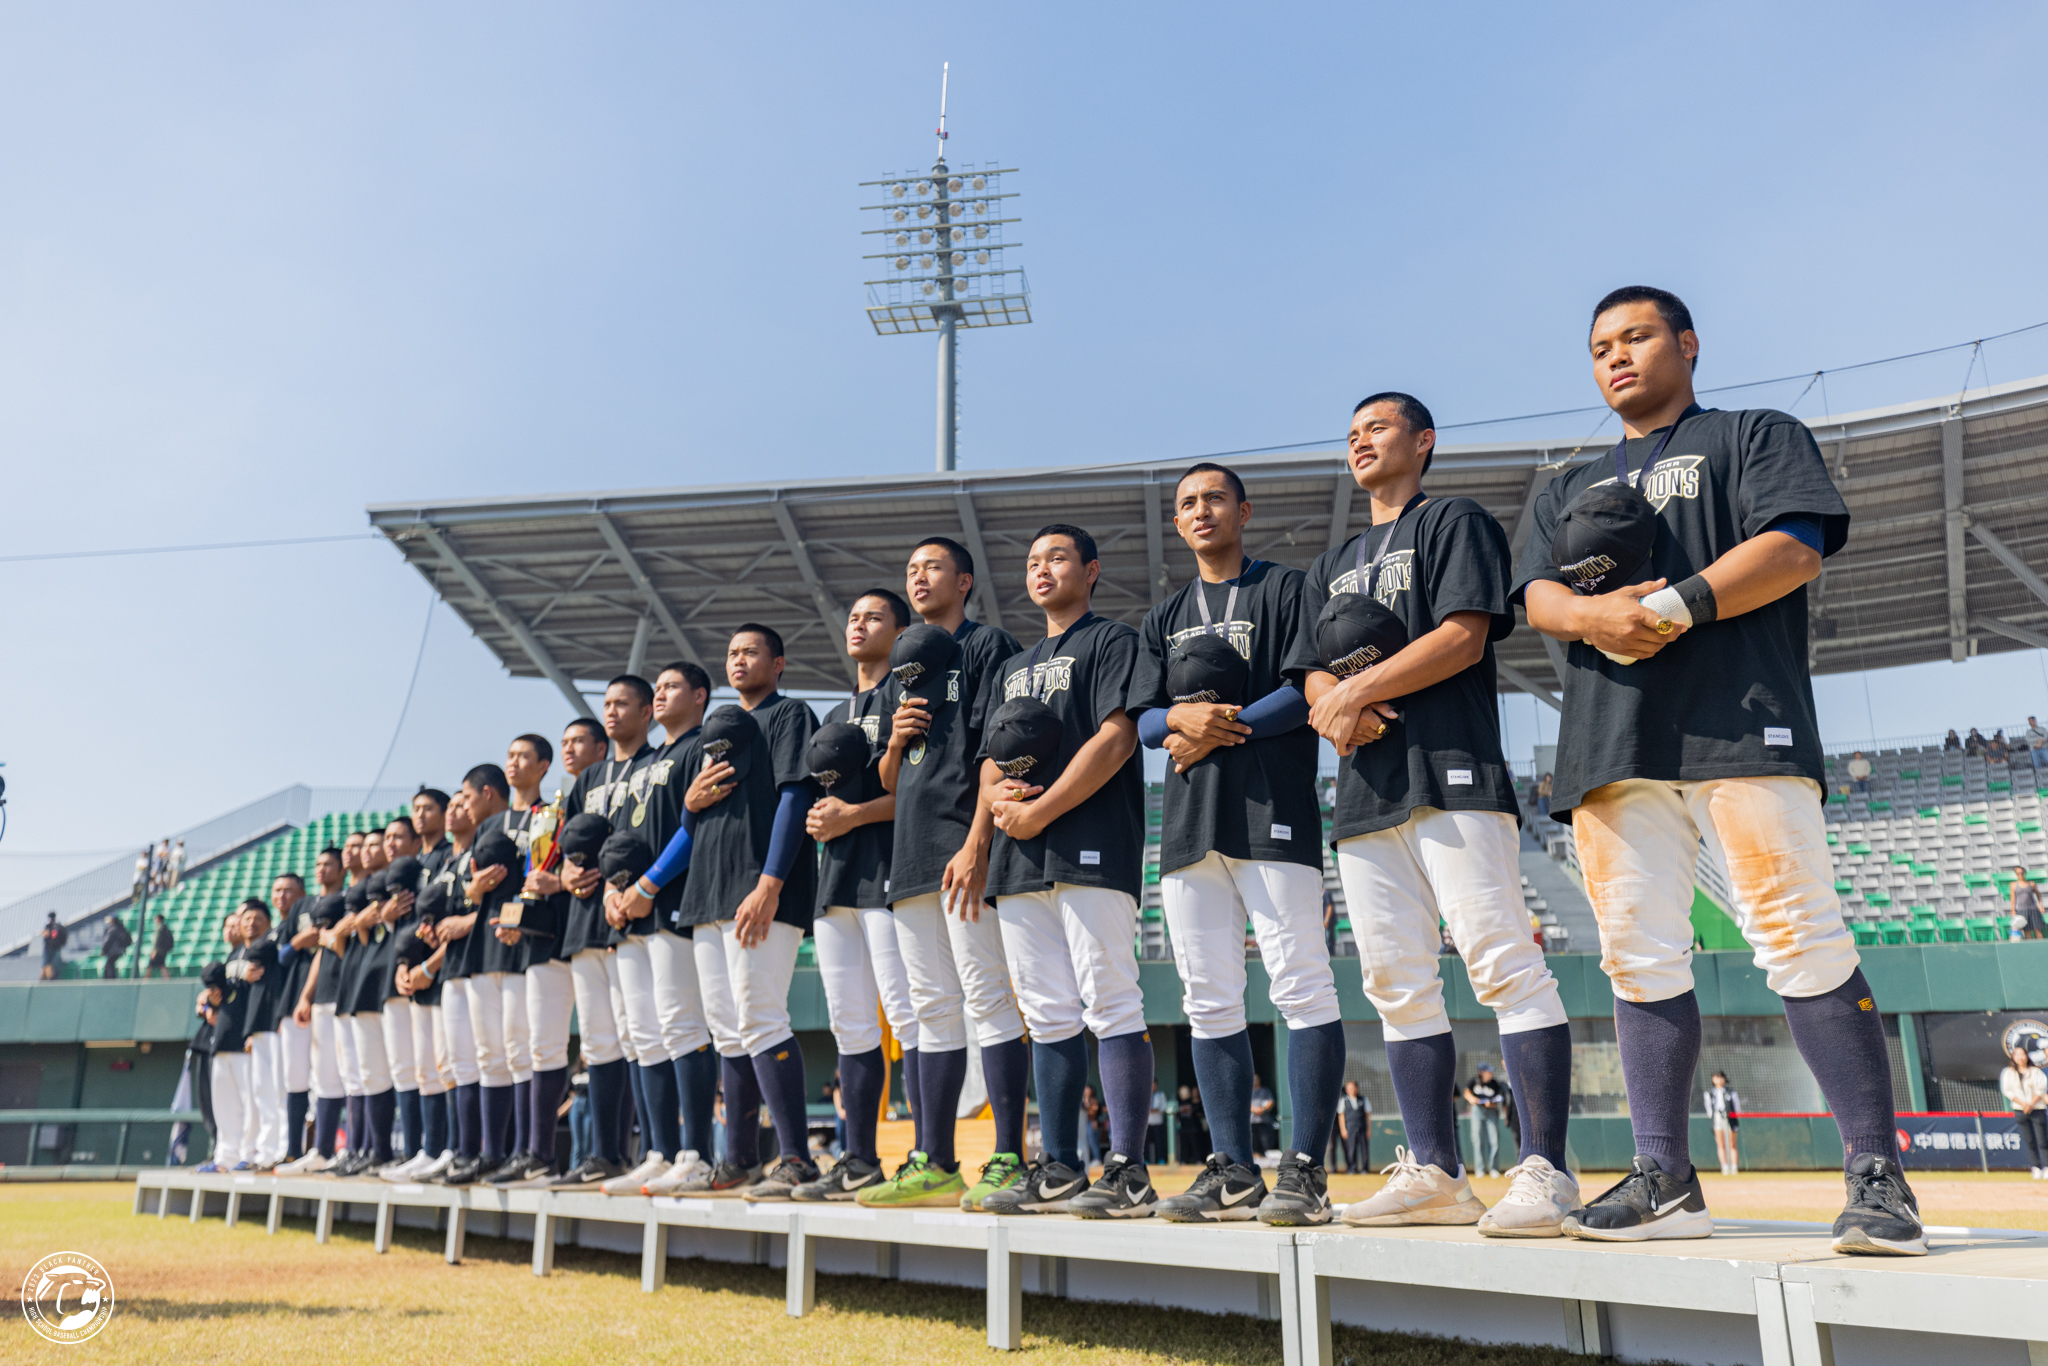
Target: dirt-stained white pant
[
  {"x": 956, "y": 973},
  {"x": 1638, "y": 841},
  {"x": 746, "y": 990},
  {"x": 1206, "y": 906},
  {"x": 1073, "y": 955},
  {"x": 861, "y": 968},
  {"x": 657, "y": 976},
  {"x": 597, "y": 1037},
  {"x": 1460, "y": 868}
]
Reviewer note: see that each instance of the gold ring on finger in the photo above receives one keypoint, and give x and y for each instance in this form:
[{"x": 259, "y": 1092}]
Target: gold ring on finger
[{"x": 1663, "y": 628}]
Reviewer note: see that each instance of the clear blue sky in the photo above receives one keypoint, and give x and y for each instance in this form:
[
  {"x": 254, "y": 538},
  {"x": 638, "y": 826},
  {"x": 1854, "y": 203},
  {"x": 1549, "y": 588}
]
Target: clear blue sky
[{"x": 262, "y": 265}]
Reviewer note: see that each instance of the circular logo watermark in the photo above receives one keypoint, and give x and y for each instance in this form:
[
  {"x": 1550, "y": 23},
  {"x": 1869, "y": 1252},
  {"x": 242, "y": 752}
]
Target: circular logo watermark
[{"x": 67, "y": 1297}]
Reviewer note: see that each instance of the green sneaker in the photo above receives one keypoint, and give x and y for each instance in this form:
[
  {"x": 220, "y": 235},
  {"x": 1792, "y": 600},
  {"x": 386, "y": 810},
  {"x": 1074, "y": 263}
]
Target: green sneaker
[
  {"x": 999, "y": 1173},
  {"x": 917, "y": 1182}
]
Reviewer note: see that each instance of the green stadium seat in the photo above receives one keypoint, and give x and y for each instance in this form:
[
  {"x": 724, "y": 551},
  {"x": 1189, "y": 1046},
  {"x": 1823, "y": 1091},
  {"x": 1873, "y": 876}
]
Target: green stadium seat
[
  {"x": 1865, "y": 932},
  {"x": 1953, "y": 930},
  {"x": 1982, "y": 930},
  {"x": 1892, "y": 931}
]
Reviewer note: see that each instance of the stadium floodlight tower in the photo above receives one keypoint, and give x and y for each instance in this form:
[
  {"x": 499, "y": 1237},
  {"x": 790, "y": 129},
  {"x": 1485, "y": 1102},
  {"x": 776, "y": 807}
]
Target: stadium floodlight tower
[{"x": 945, "y": 267}]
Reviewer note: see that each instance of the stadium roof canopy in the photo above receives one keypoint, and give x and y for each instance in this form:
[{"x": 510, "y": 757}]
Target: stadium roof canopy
[{"x": 1948, "y": 498}]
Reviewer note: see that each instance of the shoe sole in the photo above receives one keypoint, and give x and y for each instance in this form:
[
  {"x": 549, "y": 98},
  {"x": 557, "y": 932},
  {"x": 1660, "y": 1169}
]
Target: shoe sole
[
  {"x": 1488, "y": 1230},
  {"x": 1858, "y": 1243},
  {"x": 1144, "y": 1211},
  {"x": 933, "y": 1198},
  {"x": 1699, "y": 1224},
  {"x": 1295, "y": 1218},
  {"x": 728, "y": 1193},
  {"x": 1229, "y": 1214},
  {"x": 1464, "y": 1212}
]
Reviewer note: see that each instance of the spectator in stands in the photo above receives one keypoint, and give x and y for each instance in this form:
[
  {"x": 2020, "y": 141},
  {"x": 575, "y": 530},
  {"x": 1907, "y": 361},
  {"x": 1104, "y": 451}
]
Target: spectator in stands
[
  {"x": 1194, "y": 1140},
  {"x": 1093, "y": 1121},
  {"x": 1265, "y": 1117},
  {"x": 1973, "y": 743},
  {"x": 2037, "y": 742},
  {"x": 1998, "y": 751},
  {"x": 1488, "y": 1099},
  {"x": 1354, "y": 1128},
  {"x": 582, "y": 1126},
  {"x": 160, "y": 949},
  {"x": 54, "y": 938},
  {"x": 1724, "y": 1112},
  {"x": 1544, "y": 787},
  {"x": 116, "y": 943},
  {"x": 1952, "y": 742},
  {"x": 1155, "y": 1129},
  {"x": 1859, "y": 773},
  {"x": 2026, "y": 906},
  {"x": 160, "y": 864},
  {"x": 176, "y": 868},
  {"x": 1329, "y": 922},
  {"x": 142, "y": 883},
  {"x": 1536, "y": 930},
  {"x": 837, "y": 1098},
  {"x": 2025, "y": 1088}
]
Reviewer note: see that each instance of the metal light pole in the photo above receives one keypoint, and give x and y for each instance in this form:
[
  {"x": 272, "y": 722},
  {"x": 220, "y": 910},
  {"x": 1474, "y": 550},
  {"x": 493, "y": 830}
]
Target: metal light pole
[{"x": 962, "y": 281}]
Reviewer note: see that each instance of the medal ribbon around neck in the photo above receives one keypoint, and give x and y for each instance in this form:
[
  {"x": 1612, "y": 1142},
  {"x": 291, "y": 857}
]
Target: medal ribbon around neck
[
  {"x": 1363, "y": 581},
  {"x": 1031, "y": 663},
  {"x": 1209, "y": 626}
]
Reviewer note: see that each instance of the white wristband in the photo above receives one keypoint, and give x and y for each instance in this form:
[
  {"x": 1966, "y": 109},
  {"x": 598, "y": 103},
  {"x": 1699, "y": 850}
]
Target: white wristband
[{"x": 1669, "y": 606}]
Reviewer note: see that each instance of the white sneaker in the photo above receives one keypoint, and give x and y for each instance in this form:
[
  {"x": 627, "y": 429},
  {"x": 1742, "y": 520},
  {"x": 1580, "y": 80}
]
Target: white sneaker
[
  {"x": 651, "y": 1166},
  {"x": 1539, "y": 1197},
  {"x": 688, "y": 1168},
  {"x": 434, "y": 1169},
  {"x": 1417, "y": 1194},
  {"x": 408, "y": 1170},
  {"x": 305, "y": 1166}
]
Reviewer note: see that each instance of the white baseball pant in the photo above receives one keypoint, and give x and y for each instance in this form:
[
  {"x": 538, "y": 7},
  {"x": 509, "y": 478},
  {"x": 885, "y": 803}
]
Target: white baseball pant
[
  {"x": 398, "y": 1037},
  {"x": 751, "y": 984},
  {"x": 956, "y": 973},
  {"x": 459, "y": 1032},
  {"x": 327, "y": 1083},
  {"x": 426, "y": 1067},
  {"x": 1638, "y": 842},
  {"x": 861, "y": 969},
  {"x": 1206, "y": 906},
  {"x": 264, "y": 1109},
  {"x": 625, "y": 1035},
  {"x": 1074, "y": 960},
  {"x": 497, "y": 1014},
  {"x": 373, "y": 1064},
  {"x": 351, "y": 1062},
  {"x": 597, "y": 1028},
  {"x": 1460, "y": 868},
  {"x": 550, "y": 997},
  {"x": 294, "y": 1055},
  {"x": 658, "y": 986},
  {"x": 233, "y": 1140}
]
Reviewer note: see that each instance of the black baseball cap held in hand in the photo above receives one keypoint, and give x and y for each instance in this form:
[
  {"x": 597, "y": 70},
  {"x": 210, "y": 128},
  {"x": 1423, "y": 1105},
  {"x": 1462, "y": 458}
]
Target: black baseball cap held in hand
[
  {"x": 1604, "y": 538},
  {"x": 1207, "y": 668},
  {"x": 214, "y": 975},
  {"x": 921, "y": 658},
  {"x": 496, "y": 849},
  {"x": 837, "y": 753},
  {"x": 409, "y": 949},
  {"x": 432, "y": 902},
  {"x": 583, "y": 838},
  {"x": 1354, "y": 631},
  {"x": 728, "y": 733},
  {"x": 403, "y": 875},
  {"x": 624, "y": 858},
  {"x": 1024, "y": 738}
]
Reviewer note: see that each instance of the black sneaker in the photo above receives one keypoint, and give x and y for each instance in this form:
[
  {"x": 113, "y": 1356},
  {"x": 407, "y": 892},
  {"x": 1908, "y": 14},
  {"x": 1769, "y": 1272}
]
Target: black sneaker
[
  {"x": 464, "y": 1173},
  {"x": 1224, "y": 1190},
  {"x": 845, "y": 1181},
  {"x": 588, "y": 1174},
  {"x": 1647, "y": 1203},
  {"x": 1124, "y": 1192},
  {"x": 727, "y": 1179},
  {"x": 1045, "y": 1189},
  {"x": 353, "y": 1163},
  {"x": 1301, "y": 1194},
  {"x": 1882, "y": 1219},
  {"x": 516, "y": 1168},
  {"x": 782, "y": 1179}
]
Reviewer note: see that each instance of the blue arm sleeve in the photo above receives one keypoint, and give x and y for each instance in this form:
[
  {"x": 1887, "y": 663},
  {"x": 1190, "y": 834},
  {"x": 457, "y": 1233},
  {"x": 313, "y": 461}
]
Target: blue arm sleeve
[
  {"x": 788, "y": 835},
  {"x": 1278, "y": 712},
  {"x": 1152, "y": 728},
  {"x": 675, "y": 858},
  {"x": 1801, "y": 528}
]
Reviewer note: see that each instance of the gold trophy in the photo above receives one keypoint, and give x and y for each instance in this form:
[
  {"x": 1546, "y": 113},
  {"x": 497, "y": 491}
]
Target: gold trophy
[{"x": 543, "y": 852}]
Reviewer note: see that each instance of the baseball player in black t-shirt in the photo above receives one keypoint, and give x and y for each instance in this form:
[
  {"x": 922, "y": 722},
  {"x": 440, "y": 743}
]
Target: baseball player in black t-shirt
[
  {"x": 254, "y": 966},
  {"x": 399, "y": 1017},
  {"x": 432, "y": 1064},
  {"x": 497, "y": 1008},
  {"x": 454, "y": 938},
  {"x": 1425, "y": 821},
  {"x": 1065, "y": 873},
  {"x": 1240, "y": 841},
  {"x": 943, "y": 693},
  {"x": 1688, "y": 718},
  {"x": 362, "y": 1004},
  {"x": 291, "y": 929},
  {"x": 315, "y": 919}
]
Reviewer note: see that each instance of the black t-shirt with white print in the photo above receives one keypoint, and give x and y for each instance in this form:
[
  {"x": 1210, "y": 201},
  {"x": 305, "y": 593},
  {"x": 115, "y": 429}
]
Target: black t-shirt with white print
[
  {"x": 291, "y": 924},
  {"x": 668, "y": 775},
  {"x": 853, "y": 870},
  {"x": 326, "y": 910},
  {"x": 1251, "y": 801},
  {"x": 939, "y": 780},
  {"x": 621, "y": 791},
  {"x": 729, "y": 845},
  {"x": 1084, "y": 675},
  {"x": 1733, "y": 698},
  {"x": 1443, "y": 752},
  {"x": 465, "y": 954}
]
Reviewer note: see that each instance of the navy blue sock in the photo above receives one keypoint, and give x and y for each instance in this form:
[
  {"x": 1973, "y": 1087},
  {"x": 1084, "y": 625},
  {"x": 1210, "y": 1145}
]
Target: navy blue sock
[
  {"x": 1840, "y": 1036},
  {"x": 1539, "y": 1063},
  {"x": 1126, "y": 1062},
  {"x": 1424, "y": 1071},
  {"x": 1315, "y": 1077},
  {"x": 295, "y": 1103},
  {"x": 1223, "y": 1069},
  {"x": 327, "y": 1113},
  {"x": 548, "y": 1089},
  {"x": 940, "y": 1077},
  {"x": 451, "y": 1118},
  {"x": 697, "y": 1093},
  {"x": 1660, "y": 1049},
  {"x": 358, "y": 1136},
  {"x": 522, "y": 1116},
  {"x": 860, "y": 1090},
  {"x": 780, "y": 1072},
  {"x": 632, "y": 1108},
  {"x": 607, "y": 1085},
  {"x": 409, "y": 1122},
  {"x": 433, "y": 1125},
  {"x": 664, "y": 1112},
  {"x": 496, "y": 1104},
  {"x": 913, "y": 1068},
  {"x": 469, "y": 1120},
  {"x": 742, "y": 1111},
  {"x": 1061, "y": 1070},
  {"x": 383, "y": 1110},
  {"x": 1006, "y": 1067}
]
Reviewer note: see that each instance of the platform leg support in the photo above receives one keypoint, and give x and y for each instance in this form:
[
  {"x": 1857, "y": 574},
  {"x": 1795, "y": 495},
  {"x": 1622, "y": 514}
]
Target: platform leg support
[
  {"x": 653, "y": 1256},
  {"x": 198, "y": 1202},
  {"x": 138, "y": 1199},
  {"x": 323, "y": 1222},
  {"x": 2037, "y": 1354},
  {"x": 543, "y": 1242},
  {"x": 276, "y": 1213},
  {"x": 1304, "y": 1310},
  {"x": 234, "y": 1206},
  {"x": 163, "y": 1201},
  {"x": 889, "y": 1261},
  {"x": 1005, "y": 1292},
  {"x": 385, "y": 1214},
  {"x": 1812, "y": 1343},
  {"x": 1585, "y": 1329},
  {"x": 803, "y": 1268},
  {"x": 458, "y": 1234},
  {"x": 1770, "y": 1322}
]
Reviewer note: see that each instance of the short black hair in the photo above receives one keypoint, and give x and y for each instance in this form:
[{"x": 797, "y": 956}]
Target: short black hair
[
  {"x": 330, "y": 849},
  {"x": 255, "y": 903},
  {"x": 963, "y": 560},
  {"x": 542, "y": 750},
  {"x": 589, "y": 723},
  {"x": 635, "y": 684},
  {"x": 898, "y": 608},
  {"x": 293, "y": 876},
  {"x": 433, "y": 794},
  {"x": 1211, "y": 467},
  {"x": 488, "y": 777},
  {"x": 405, "y": 821},
  {"x": 767, "y": 633},
  {"x": 693, "y": 676},
  {"x": 1670, "y": 307},
  {"x": 1413, "y": 411},
  {"x": 1083, "y": 542}
]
